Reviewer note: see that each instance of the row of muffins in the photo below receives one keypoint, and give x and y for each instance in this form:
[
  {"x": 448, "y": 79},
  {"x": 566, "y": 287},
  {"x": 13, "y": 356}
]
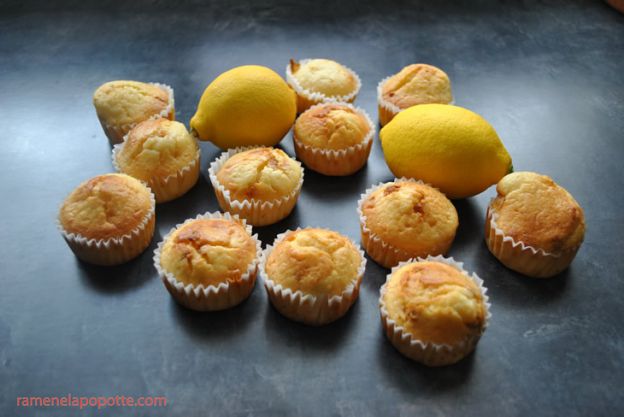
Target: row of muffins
[
  {"x": 312, "y": 276},
  {"x": 321, "y": 80},
  {"x": 332, "y": 139},
  {"x": 376, "y": 223},
  {"x": 314, "y": 81},
  {"x": 432, "y": 310},
  {"x": 533, "y": 226}
]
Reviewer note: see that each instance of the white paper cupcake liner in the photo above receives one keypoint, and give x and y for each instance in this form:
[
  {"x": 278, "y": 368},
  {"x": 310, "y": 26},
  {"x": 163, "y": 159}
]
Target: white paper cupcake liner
[
  {"x": 307, "y": 308},
  {"x": 431, "y": 354},
  {"x": 116, "y": 132},
  {"x": 117, "y": 250},
  {"x": 210, "y": 297},
  {"x": 523, "y": 258},
  {"x": 337, "y": 161},
  {"x": 378, "y": 249},
  {"x": 385, "y": 104},
  {"x": 172, "y": 186},
  {"x": 255, "y": 212},
  {"x": 388, "y": 110},
  {"x": 314, "y": 97}
]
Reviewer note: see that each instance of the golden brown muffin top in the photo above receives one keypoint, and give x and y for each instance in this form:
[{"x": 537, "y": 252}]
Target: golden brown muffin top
[
  {"x": 106, "y": 206},
  {"x": 331, "y": 126},
  {"x": 324, "y": 76},
  {"x": 125, "y": 102},
  {"x": 315, "y": 261},
  {"x": 531, "y": 208},
  {"x": 157, "y": 148},
  {"x": 417, "y": 84},
  {"x": 260, "y": 174},
  {"x": 411, "y": 216},
  {"x": 208, "y": 252},
  {"x": 435, "y": 302}
]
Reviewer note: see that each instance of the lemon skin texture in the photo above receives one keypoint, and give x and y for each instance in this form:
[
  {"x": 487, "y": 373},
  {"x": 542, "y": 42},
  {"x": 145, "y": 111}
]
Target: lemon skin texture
[
  {"x": 449, "y": 147},
  {"x": 245, "y": 106}
]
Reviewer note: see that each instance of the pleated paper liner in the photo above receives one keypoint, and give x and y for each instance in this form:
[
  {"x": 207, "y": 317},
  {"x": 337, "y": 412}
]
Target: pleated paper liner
[
  {"x": 307, "y": 98},
  {"x": 211, "y": 297},
  {"x": 255, "y": 212},
  {"x": 116, "y": 132},
  {"x": 117, "y": 250},
  {"x": 172, "y": 186},
  {"x": 428, "y": 353},
  {"x": 337, "y": 162},
  {"x": 307, "y": 308},
  {"x": 522, "y": 258}
]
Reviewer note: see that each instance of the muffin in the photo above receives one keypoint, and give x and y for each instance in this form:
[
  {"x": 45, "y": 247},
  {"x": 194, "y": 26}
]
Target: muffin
[
  {"x": 432, "y": 311},
  {"x": 414, "y": 84},
  {"x": 108, "y": 219},
  {"x": 261, "y": 185},
  {"x": 163, "y": 154},
  {"x": 405, "y": 219},
  {"x": 320, "y": 80},
  {"x": 534, "y": 226},
  {"x": 312, "y": 275},
  {"x": 210, "y": 262},
  {"x": 333, "y": 138},
  {"x": 121, "y": 105}
]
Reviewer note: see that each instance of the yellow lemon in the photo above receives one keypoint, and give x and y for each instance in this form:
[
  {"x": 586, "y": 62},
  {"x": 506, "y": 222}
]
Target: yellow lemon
[
  {"x": 449, "y": 147},
  {"x": 248, "y": 105}
]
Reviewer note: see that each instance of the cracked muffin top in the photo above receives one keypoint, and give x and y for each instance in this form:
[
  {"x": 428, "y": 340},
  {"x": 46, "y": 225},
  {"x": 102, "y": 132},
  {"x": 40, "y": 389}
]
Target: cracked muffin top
[
  {"x": 314, "y": 261},
  {"x": 260, "y": 174},
  {"x": 417, "y": 84},
  {"x": 531, "y": 208},
  {"x": 128, "y": 102},
  {"x": 106, "y": 206},
  {"x": 331, "y": 126},
  {"x": 208, "y": 252},
  {"x": 411, "y": 216},
  {"x": 157, "y": 148},
  {"x": 435, "y": 302}
]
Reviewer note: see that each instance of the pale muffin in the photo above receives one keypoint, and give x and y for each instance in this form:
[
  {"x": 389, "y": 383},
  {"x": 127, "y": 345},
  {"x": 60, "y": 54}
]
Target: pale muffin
[
  {"x": 313, "y": 275},
  {"x": 534, "y": 226},
  {"x": 414, "y": 84},
  {"x": 333, "y": 138},
  {"x": 210, "y": 262},
  {"x": 405, "y": 219},
  {"x": 260, "y": 185},
  {"x": 121, "y": 105},
  {"x": 108, "y": 219},
  {"x": 432, "y": 311},
  {"x": 161, "y": 153},
  {"x": 320, "y": 80}
]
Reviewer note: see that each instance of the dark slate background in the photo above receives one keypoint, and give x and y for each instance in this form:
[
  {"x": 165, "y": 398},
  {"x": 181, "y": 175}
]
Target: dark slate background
[{"x": 547, "y": 74}]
